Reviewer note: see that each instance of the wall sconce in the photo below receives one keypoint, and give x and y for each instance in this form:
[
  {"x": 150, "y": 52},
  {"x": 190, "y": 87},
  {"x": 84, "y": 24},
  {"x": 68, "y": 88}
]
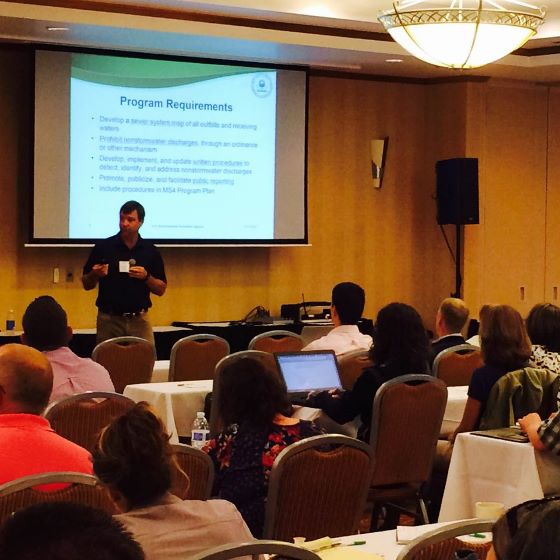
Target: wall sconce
[{"x": 378, "y": 154}]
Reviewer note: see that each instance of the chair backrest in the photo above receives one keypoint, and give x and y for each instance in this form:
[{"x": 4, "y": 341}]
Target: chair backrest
[
  {"x": 455, "y": 365},
  {"x": 518, "y": 393},
  {"x": 128, "y": 359},
  {"x": 405, "y": 426},
  {"x": 351, "y": 365},
  {"x": 77, "y": 487},
  {"x": 441, "y": 543},
  {"x": 199, "y": 468},
  {"x": 265, "y": 358},
  {"x": 309, "y": 333},
  {"x": 277, "y": 341},
  {"x": 318, "y": 486},
  {"x": 195, "y": 357},
  {"x": 255, "y": 550},
  {"x": 81, "y": 417}
]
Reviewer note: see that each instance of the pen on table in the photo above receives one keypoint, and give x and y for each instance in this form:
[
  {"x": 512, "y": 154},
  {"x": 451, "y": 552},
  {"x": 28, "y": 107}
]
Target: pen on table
[{"x": 354, "y": 543}]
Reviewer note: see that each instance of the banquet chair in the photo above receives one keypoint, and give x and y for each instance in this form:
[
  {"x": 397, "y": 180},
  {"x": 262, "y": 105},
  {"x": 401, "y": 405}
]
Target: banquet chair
[
  {"x": 81, "y": 417},
  {"x": 351, "y": 365},
  {"x": 266, "y": 358},
  {"x": 455, "y": 365},
  {"x": 318, "y": 486},
  {"x": 199, "y": 469},
  {"x": 128, "y": 359},
  {"x": 406, "y": 422},
  {"x": 442, "y": 543},
  {"x": 195, "y": 357},
  {"x": 256, "y": 550},
  {"x": 518, "y": 393},
  {"x": 68, "y": 487},
  {"x": 277, "y": 341}
]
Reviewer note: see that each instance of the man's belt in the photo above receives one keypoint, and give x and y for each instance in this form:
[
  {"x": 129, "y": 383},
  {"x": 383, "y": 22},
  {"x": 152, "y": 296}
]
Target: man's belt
[{"x": 127, "y": 314}]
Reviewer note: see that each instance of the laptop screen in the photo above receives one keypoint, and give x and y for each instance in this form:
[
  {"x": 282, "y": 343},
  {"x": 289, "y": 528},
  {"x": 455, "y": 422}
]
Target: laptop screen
[{"x": 309, "y": 371}]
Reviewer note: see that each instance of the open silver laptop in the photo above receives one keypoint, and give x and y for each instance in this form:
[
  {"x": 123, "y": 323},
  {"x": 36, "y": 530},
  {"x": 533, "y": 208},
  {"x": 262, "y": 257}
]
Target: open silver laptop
[{"x": 308, "y": 371}]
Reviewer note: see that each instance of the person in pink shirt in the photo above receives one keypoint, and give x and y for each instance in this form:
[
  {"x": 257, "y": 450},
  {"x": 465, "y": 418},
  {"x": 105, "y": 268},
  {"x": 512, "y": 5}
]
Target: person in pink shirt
[
  {"x": 45, "y": 328},
  {"x": 28, "y": 445}
]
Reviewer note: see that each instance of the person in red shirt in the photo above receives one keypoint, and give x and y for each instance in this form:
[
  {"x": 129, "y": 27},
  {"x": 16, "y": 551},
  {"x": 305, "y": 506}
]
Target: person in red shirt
[{"x": 28, "y": 445}]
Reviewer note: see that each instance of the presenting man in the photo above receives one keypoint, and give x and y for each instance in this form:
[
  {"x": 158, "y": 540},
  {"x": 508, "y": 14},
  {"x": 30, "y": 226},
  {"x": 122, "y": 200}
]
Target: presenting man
[{"x": 127, "y": 268}]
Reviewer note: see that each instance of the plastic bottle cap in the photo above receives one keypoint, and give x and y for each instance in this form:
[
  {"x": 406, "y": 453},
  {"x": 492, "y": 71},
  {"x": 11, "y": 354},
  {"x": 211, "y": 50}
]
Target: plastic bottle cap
[{"x": 200, "y": 414}]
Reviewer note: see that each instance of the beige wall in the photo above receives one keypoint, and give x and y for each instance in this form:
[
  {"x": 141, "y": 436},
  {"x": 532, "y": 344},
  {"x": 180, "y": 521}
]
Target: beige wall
[
  {"x": 387, "y": 239},
  {"x": 509, "y": 133}
]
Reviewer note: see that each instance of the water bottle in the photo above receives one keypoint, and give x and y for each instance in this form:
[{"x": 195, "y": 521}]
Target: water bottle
[
  {"x": 10, "y": 320},
  {"x": 200, "y": 431}
]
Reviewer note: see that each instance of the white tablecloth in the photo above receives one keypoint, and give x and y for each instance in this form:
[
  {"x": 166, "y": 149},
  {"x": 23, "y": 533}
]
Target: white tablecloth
[
  {"x": 485, "y": 469},
  {"x": 456, "y": 400},
  {"x": 383, "y": 543},
  {"x": 176, "y": 403},
  {"x": 160, "y": 374}
]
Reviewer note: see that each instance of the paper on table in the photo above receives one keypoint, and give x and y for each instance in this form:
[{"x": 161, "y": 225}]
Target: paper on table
[
  {"x": 406, "y": 533},
  {"x": 347, "y": 553}
]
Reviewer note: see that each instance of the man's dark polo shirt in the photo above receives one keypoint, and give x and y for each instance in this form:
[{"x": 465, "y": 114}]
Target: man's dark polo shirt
[{"x": 118, "y": 292}]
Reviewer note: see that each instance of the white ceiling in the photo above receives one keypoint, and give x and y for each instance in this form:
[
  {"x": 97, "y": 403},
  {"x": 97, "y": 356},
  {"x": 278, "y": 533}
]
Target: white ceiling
[{"x": 282, "y": 36}]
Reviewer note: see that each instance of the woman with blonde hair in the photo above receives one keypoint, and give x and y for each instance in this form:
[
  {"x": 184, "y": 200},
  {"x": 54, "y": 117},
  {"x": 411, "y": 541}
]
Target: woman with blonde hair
[{"x": 135, "y": 461}]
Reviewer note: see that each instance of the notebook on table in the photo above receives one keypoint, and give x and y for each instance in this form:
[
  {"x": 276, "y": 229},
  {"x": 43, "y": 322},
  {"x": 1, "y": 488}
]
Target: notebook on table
[
  {"x": 308, "y": 371},
  {"x": 513, "y": 433}
]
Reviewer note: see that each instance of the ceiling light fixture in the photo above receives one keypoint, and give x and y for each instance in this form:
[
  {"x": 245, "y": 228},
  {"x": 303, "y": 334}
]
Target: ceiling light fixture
[
  {"x": 54, "y": 28},
  {"x": 463, "y": 34}
]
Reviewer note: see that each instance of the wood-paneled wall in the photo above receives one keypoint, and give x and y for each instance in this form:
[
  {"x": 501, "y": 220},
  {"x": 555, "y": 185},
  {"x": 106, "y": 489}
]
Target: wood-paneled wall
[
  {"x": 387, "y": 240},
  {"x": 505, "y": 259}
]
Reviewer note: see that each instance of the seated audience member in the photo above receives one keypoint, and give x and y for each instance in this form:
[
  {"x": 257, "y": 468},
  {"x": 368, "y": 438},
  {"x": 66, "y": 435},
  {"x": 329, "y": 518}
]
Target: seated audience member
[
  {"x": 450, "y": 319},
  {"x": 28, "y": 445},
  {"x": 347, "y": 305},
  {"x": 400, "y": 347},
  {"x": 65, "y": 531},
  {"x": 542, "y": 434},
  {"x": 505, "y": 347},
  {"x": 45, "y": 328},
  {"x": 543, "y": 327},
  {"x": 258, "y": 428},
  {"x": 134, "y": 460},
  {"x": 528, "y": 531}
]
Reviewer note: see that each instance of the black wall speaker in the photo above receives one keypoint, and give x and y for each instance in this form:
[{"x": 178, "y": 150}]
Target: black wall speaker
[{"x": 457, "y": 191}]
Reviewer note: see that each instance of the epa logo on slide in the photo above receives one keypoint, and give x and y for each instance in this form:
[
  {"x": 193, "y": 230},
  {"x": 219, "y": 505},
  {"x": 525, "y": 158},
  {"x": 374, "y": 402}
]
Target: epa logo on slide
[{"x": 262, "y": 85}]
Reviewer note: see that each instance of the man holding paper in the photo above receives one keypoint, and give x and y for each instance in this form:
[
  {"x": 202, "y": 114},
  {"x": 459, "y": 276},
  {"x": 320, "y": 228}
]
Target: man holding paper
[{"x": 127, "y": 269}]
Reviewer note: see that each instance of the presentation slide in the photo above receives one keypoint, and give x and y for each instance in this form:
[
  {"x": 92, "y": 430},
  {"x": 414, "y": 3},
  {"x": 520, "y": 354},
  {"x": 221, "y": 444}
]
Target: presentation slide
[
  {"x": 200, "y": 154},
  {"x": 202, "y": 146}
]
